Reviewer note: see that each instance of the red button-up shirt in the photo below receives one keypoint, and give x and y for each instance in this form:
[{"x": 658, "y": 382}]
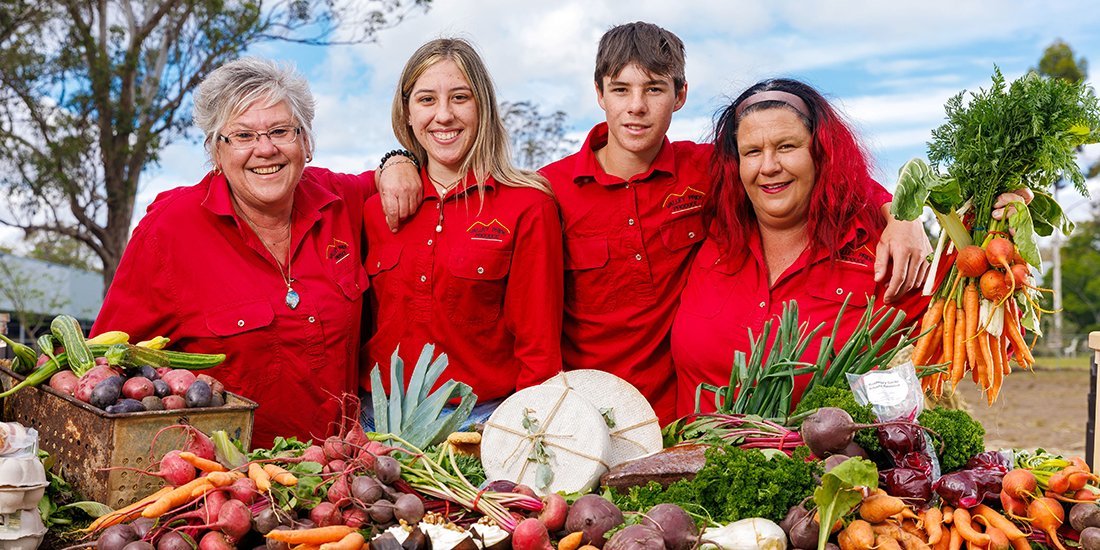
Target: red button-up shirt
[
  {"x": 628, "y": 246},
  {"x": 724, "y": 299},
  {"x": 197, "y": 273},
  {"x": 480, "y": 280}
]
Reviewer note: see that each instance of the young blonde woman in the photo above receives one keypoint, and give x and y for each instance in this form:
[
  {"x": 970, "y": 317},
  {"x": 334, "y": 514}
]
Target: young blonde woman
[{"x": 477, "y": 271}]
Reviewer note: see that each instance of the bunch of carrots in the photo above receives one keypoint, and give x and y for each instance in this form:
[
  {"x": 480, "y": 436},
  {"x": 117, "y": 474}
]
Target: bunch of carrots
[
  {"x": 886, "y": 522},
  {"x": 973, "y": 323}
]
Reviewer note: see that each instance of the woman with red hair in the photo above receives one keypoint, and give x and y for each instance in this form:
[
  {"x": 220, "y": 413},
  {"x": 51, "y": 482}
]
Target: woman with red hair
[{"x": 794, "y": 214}]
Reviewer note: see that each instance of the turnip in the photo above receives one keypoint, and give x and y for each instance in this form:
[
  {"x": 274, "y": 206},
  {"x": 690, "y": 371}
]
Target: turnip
[
  {"x": 554, "y": 510},
  {"x": 595, "y": 516},
  {"x": 674, "y": 524},
  {"x": 116, "y": 537},
  {"x": 636, "y": 537},
  {"x": 531, "y": 534},
  {"x": 408, "y": 508}
]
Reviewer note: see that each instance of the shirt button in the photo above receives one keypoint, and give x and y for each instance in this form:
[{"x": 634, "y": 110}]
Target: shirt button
[
  {"x": 691, "y": 234},
  {"x": 762, "y": 304},
  {"x": 378, "y": 265},
  {"x": 630, "y": 221},
  {"x": 423, "y": 279},
  {"x": 638, "y": 257},
  {"x": 839, "y": 291},
  {"x": 312, "y": 319},
  {"x": 429, "y": 242},
  {"x": 480, "y": 270},
  {"x": 240, "y": 323}
]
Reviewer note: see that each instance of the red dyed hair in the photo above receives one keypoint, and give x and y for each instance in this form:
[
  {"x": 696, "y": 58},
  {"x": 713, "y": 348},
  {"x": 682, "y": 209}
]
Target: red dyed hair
[{"x": 843, "y": 187}]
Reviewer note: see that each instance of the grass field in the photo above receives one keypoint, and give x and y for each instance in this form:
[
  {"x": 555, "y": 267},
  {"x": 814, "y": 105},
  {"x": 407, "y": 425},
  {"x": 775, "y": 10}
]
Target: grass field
[{"x": 1058, "y": 363}]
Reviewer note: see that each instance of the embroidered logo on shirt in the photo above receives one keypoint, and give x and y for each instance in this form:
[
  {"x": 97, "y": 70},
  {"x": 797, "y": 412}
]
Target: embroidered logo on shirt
[
  {"x": 492, "y": 231},
  {"x": 862, "y": 256},
  {"x": 686, "y": 201},
  {"x": 337, "y": 251}
]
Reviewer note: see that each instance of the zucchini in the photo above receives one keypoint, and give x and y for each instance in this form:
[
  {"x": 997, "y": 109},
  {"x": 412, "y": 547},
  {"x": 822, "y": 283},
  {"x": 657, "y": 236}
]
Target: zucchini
[
  {"x": 67, "y": 329},
  {"x": 25, "y": 357},
  {"x": 129, "y": 355},
  {"x": 110, "y": 337}
]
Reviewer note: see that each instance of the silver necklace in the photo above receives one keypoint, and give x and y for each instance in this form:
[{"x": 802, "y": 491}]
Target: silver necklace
[
  {"x": 292, "y": 299},
  {"x": 446, "y": 189}
]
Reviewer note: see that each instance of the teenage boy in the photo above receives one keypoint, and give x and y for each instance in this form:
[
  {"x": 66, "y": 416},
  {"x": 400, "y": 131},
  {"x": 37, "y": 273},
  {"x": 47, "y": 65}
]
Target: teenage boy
[{"x": 631, "y": 204}]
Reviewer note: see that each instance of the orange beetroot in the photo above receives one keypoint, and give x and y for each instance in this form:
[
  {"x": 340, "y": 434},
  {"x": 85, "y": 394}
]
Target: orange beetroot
[{"x": 972, "y": 261}]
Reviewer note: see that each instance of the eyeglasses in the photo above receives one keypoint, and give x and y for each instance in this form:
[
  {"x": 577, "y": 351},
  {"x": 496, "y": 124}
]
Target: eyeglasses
[{"x": 245, "y": 139}]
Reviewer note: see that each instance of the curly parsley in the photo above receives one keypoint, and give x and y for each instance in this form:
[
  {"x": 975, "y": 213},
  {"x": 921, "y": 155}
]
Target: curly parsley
[
  {"x": 735, "y": 484},
  {"x": 962, "y": 436}
]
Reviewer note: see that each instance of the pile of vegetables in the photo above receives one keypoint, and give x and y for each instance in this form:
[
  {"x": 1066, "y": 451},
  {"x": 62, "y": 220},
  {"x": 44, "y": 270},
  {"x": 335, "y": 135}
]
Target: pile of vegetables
[
  {"x": 1011, "y": 136},
  {"x": 110, "y": 373}
]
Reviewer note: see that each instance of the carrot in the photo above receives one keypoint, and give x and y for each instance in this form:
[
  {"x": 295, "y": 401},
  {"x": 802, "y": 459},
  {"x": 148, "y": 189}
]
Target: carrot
[
  {"x": 950, "y": 315},
  {"x": 572, "y": 541},
  {"x": 971, "y": 307},
  {"x": 933, "y": 524},
  {"x": 222, "y": 479},
  {"x": 995, "y": 519},
  {"x": 931, "y": 320},
  {"x": 948, "y": 514},
  {"x": 1012, "y": 329},
  {"x": 173, "y": 499},
  {"x": 878, "y": 508},
  {"x": 280, "y": 475},
  {"x": 884, "y": 542},
  {"x": 997, "y": 539},
  {"x": 351, "y": 541},
  {"x": 201, "y": 463},
  {"x": 958, "y": 360},
  {"x": 201, "y": 490},
  {"x": 966, "y": 528},
  {"x": 956, "y": 540},
  {"x": 261, "y": 478},
  {"x": 1020, "y": 544},
  {"x": 307, "y": 547},
  {"x": 986, "y": 375},
  {"x": 126, "y": 513},
  {"x": 314, "y": 535}
]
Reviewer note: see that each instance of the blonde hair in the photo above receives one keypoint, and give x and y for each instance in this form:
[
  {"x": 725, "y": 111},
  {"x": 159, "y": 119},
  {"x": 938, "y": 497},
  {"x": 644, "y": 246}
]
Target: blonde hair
[{"x": 490, "y": 154}]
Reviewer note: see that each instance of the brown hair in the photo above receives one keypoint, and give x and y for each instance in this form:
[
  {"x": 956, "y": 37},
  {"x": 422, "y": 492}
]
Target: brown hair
[{"x": 654, "y": 49}]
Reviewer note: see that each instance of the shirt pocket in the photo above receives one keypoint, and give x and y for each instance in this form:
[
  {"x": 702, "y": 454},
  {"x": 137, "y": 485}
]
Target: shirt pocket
[
  {"x": 240, "y": 318},
  {"x": 842, "y": 280},
  {"x": 383, "y": 258},
  {"x": 706, "y": 293},
  {"x": 588, "y": 287},
  {"x": 236, "y": 329},
  {"x": 682, "y": 233},
  {"x": 353, "y": 283},
  {"x": 475, "y": 290}
]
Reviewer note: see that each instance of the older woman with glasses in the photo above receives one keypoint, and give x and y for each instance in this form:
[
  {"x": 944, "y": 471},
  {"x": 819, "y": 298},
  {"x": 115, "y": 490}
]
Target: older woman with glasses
[{"x": 261, "y": 260}]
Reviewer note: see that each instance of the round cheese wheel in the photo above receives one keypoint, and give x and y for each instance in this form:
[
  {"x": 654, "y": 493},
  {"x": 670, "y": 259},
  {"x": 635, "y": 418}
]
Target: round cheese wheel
[
  {"x": 571, "y": 431},
  {"x": 632, "y": 424}
]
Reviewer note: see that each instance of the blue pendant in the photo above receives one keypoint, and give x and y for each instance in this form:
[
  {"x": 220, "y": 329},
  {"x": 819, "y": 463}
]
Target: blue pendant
[{"x": 292, "y": 298}]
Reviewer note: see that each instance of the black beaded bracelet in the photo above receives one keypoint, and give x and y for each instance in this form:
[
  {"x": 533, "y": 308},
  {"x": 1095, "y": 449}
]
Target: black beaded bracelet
[{"x": 402, "y": 153}]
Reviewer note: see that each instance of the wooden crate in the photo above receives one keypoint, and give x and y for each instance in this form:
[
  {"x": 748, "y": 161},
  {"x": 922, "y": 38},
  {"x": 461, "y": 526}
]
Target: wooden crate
[{"x": 86, "y": 440}]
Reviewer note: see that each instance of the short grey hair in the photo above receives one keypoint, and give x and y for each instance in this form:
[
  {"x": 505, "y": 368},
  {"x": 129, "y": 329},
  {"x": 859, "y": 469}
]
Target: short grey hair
[{"x": 237, "y": 85}]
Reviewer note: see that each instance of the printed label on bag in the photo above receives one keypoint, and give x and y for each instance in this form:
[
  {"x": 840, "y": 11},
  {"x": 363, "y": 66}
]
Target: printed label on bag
[{"x": 885, "y": 388}]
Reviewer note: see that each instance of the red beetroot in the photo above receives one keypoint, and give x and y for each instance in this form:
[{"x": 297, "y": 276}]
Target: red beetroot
[
  {"x": 175, "y": 470},
  {"x": 554, "y": 510},
  {"x": 244, "y": 490},
  {"x": 314, "y": 453},
  {"x": 335, "y": 448},
  {"x": 355, "y": 517},
  {"x": 531, "y": 534},
  {"x": 339, "y": 491},
  {"x": 214, "y": 540},
  {"x": 326, "y": 514}
]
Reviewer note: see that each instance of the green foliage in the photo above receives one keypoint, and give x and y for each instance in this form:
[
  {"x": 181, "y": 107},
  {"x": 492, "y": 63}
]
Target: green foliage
[
  {"x": 842, "y": 398},
  {"x": 841, "y": 490},
  {"x": 1080, "y": 283},
  {"x": 961, "y": 436},
  {"x": 734, "y": 484},
  {"x": 1012, "y": 135},
  {"x": 1058, "y": 62}
]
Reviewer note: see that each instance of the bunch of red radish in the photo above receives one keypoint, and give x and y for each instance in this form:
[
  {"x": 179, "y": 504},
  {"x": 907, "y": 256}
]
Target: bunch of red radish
[{"x": 972, "y": 324}]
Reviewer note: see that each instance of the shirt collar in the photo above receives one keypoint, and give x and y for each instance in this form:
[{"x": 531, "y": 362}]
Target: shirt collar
[
  {"x": 588, "y": 169},
  {"x": 309, "y": 197},
  {"x": 468, "y": 186}
]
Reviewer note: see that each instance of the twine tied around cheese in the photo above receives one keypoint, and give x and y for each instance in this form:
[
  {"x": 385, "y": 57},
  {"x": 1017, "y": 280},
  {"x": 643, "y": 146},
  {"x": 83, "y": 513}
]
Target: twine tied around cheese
[
  {"x": 542, "y": 436},
  {"x": 618, "y": 433}
]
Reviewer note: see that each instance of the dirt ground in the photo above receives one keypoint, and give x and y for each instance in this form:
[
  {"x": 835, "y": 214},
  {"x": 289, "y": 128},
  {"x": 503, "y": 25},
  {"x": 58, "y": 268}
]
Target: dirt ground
[{"x": 1044, "y": 408}]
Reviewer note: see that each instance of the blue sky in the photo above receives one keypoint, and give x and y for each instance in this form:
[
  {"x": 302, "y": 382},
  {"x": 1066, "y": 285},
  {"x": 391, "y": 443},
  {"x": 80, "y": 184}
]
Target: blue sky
[{"x": 890, "y": 66}]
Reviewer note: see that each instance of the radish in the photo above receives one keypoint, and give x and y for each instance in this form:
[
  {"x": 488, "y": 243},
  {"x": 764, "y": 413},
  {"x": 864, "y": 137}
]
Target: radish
[
  {"x": 971, "y": 261},
  {"x": 531, "y": 534},
  {"x": 244, "y": 490}
]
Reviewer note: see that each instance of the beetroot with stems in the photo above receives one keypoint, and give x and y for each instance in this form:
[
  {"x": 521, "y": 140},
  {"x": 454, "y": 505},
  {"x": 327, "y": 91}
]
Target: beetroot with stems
[
  {"x": 554, "y": 510},
  {"x": 314, "y": 453},
  {"x": 531, "y": 534},
  {"x": 339, "y": 492},
  {"x": 355, "y": 517},
  {"x": 408, "y": 508},
  {"x": 173, "y": 540},
  {"x": 194, "y": 440},
  {"x": 830, "y": 430},
  {"x": 215, "y": 540},
  {"x": 326, "y": 514},
  {"x": 366, "y": 489},
  {"x": 674, "y": 524},
  {"x": 116, "y": 537},
  {"x": 335, "y": 448},
  {"x": 244, "y": 490},
  {"x": 387, "y": 469},
  {"x": 595, "y": 516}
]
